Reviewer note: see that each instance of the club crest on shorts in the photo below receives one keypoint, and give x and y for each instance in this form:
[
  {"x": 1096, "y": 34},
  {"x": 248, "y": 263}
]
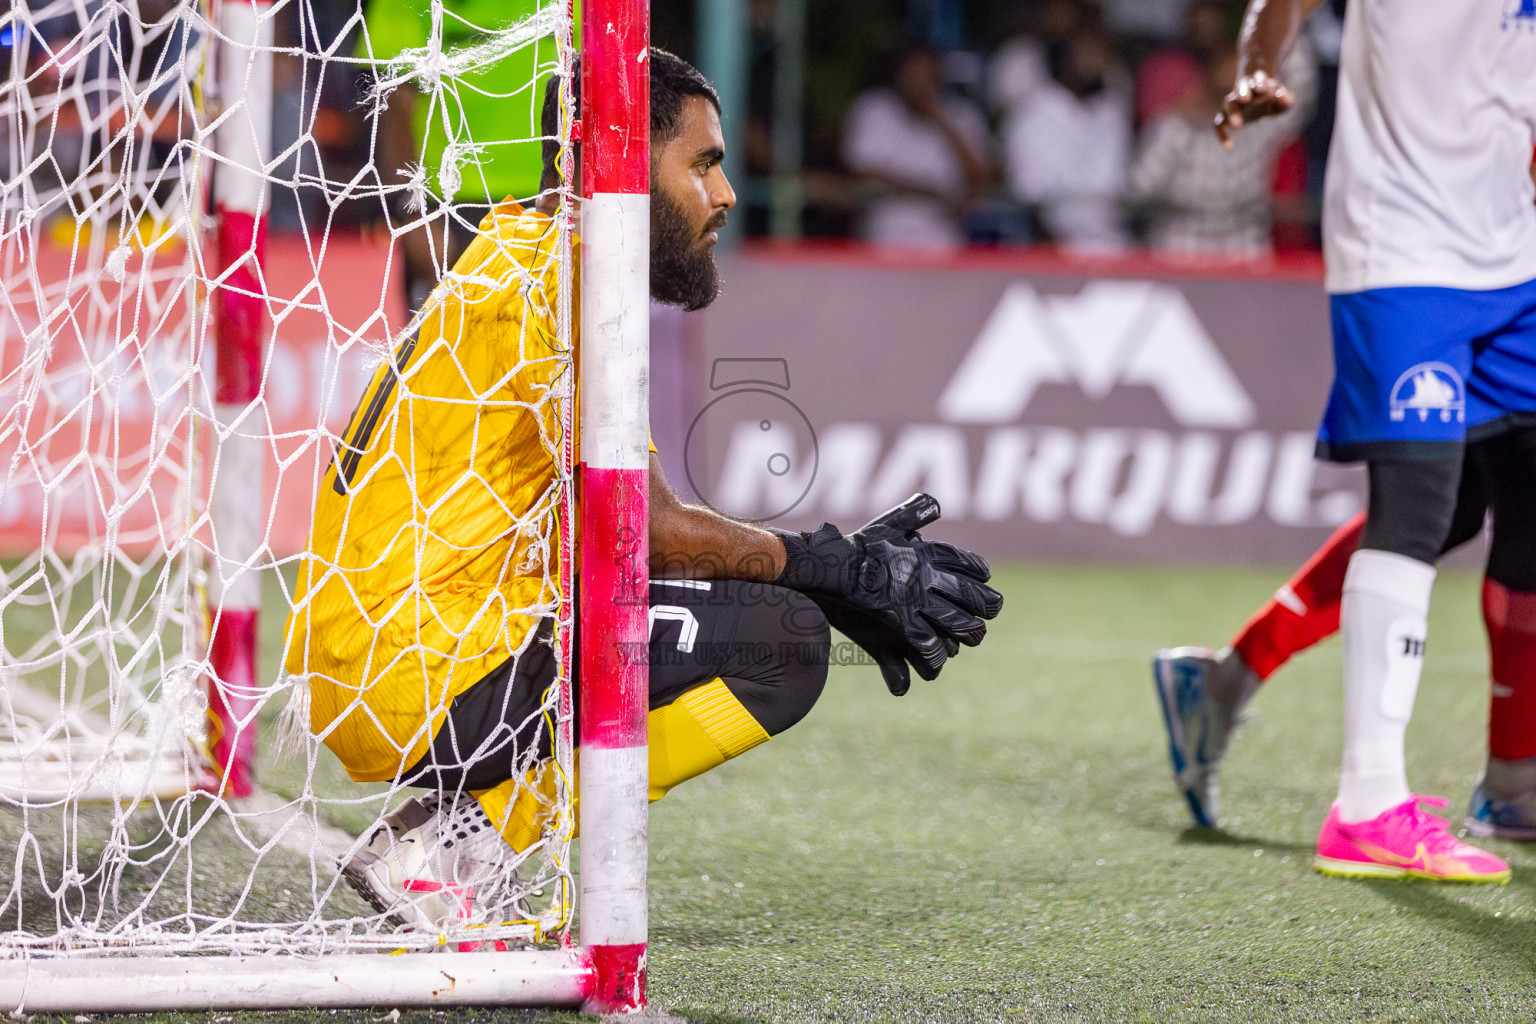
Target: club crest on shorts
[
  {"x": 1429, "y": 388},
  {"x": 1519, "y": 14}
]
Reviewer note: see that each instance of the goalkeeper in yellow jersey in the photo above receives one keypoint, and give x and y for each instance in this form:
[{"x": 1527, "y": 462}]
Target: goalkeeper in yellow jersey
[{"x": 422, "y": 621}]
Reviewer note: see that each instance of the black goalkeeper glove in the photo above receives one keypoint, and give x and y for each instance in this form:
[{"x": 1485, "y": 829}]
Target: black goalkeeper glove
[
  {"x": 889, "y": 650},
  {"x": 901, "y": 598}
]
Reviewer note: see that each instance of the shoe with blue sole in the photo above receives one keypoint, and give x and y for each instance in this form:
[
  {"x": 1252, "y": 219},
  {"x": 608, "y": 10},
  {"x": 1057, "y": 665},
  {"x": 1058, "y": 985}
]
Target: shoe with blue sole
[
  {"x": 1504, "y": 801},
  {"x": 1202, "y": 694}
]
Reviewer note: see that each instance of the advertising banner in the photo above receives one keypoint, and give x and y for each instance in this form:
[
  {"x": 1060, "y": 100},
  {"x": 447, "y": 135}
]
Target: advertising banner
[
  {"x": 1137, "y": 413},
  {"x": 1133, "y": 413}
]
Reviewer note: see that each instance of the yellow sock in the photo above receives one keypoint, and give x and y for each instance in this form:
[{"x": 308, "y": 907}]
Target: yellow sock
[{"x": 702, "y": 729}]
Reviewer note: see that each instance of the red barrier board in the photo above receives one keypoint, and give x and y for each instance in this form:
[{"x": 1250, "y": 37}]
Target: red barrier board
[{"x": 111, "y": 400}]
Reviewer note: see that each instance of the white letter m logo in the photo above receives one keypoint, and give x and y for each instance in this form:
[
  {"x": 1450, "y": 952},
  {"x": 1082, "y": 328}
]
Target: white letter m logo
[{"x": 1110, "y": 333}]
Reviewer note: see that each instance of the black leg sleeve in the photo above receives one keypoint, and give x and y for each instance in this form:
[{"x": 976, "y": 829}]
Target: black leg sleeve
[
  {"x": 1510, "y": 461},
  {"x": 1412, "y": 504},
  {"x": 1471, "y": 502}
]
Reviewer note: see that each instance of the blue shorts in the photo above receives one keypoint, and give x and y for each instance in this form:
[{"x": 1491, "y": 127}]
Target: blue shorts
[{"x": 1420, "y": 372}]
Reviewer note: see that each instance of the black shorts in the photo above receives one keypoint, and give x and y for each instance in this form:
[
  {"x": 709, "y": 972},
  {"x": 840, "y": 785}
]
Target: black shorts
[{"x": 770, "y": 645}]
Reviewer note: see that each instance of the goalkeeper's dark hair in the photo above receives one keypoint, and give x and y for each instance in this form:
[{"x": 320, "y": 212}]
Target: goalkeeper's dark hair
[{"x": 672, "y": 81}]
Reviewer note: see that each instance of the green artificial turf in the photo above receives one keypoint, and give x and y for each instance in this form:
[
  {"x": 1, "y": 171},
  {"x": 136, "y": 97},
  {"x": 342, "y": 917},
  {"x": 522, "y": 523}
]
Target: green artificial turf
[{"x": 1005, "y": 844}]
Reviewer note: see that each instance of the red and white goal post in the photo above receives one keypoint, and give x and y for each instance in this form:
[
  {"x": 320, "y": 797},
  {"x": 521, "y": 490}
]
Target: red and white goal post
[{"x": 173, "y": 384}]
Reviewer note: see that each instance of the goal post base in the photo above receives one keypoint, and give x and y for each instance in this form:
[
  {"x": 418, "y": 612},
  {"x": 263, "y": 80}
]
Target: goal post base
[
  {"x": 618, "y": 979},
  {"x": 131, "y": 984}
]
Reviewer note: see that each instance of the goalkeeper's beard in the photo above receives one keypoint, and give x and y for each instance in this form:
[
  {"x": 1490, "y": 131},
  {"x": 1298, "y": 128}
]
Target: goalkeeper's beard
[{"x": 683, "y": 271}]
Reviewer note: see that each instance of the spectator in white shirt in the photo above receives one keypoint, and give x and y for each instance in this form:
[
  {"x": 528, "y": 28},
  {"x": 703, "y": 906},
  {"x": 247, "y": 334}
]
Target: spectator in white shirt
[
  {"x": 1066, "y": 148},
  {"x": 1206, "y": 201},
  {"x": 924, "y": 151},
  {"x": 1020, "y": 66}
]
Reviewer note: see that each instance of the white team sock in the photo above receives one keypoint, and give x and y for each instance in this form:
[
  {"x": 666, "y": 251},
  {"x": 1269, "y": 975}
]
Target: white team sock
[{"x": 1386, "y": 599}]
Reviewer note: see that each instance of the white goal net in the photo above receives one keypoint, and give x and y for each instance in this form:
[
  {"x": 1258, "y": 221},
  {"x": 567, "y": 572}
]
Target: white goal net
[{"x": 206, "y": 218}]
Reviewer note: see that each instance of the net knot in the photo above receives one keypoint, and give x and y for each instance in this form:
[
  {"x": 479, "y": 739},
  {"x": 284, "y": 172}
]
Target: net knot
[
  {"x": 431, "y": 67},
  {"x": 449, "y": 177},
  {"x": 415, "y": 187},
  {"x": 116, "y": 266}
]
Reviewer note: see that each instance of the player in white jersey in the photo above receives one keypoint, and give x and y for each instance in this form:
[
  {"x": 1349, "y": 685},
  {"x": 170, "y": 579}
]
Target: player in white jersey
[{"x": 1430, "y": 245}]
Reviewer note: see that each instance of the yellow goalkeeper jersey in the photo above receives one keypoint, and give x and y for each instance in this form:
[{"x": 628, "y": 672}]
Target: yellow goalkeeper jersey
[{"x": 435, "y": 542}]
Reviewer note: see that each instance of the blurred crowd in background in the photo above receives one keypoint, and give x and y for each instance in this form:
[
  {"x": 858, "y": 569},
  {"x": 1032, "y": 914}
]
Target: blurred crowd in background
[
  {"x": 1080, "y": 124},
  {"x": 916, "y": 123}
]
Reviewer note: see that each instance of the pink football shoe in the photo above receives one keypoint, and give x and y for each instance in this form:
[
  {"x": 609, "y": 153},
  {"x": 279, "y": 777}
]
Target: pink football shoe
[{"x": 1405, "y": 841}]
